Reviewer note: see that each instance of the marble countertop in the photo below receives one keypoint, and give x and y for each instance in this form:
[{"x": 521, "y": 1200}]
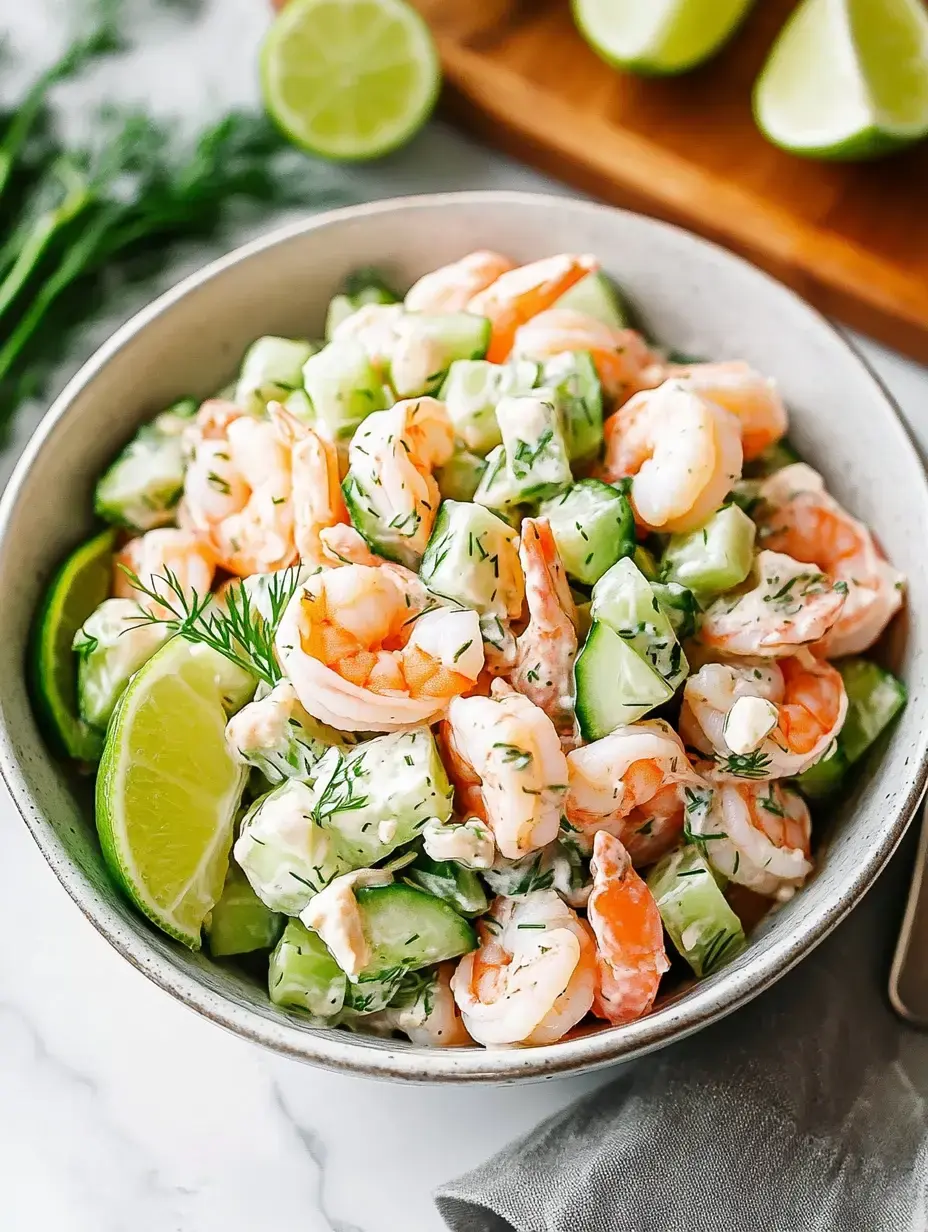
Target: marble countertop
[{"x": 123, "y": 1110}]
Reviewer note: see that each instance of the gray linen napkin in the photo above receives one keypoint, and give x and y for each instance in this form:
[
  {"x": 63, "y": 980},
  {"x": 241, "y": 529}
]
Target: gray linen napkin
[{"x": 807, "y": 1111}]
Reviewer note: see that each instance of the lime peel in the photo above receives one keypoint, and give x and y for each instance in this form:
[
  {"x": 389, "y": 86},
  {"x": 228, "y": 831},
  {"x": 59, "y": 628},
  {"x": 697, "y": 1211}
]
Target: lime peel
[{"x": 658, "y": 36}]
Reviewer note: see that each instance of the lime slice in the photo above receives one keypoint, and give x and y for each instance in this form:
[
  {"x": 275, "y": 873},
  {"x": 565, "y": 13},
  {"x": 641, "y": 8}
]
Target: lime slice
[
  {"x": 658, "y": 36},
  {"x": 847, "y": 79},
  {"x": 79, "y": 586},
  {"x": 349, "y": 79},
  {"x": 168, "y": 789}
]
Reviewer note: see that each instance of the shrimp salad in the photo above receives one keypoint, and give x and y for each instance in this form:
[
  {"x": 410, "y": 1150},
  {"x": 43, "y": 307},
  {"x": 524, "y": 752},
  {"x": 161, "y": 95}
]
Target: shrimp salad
[{"x": 551, "y": 649}]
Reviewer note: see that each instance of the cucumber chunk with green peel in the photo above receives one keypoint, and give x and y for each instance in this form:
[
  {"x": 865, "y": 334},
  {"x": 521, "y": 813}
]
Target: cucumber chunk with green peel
[
  {"x": 473, "y": 558},
  {"x": 344, "y": 388},
  {"x": 141, "y": 489},
  {"x": 696, "y": 915},
  {"x": 579, "y": 397},
  {"x": 624, "y": 600},
  {"x": 460, "y": 477},
  {"x": 615, "y": 685},
  {"x": 111, "y": 645},
  {"x": 714, "y": 558},
  {"x": 454, "y": 884},
  {"x": 302, "y": 974},
  {"x": 597, "y": 296},
  {"x": 874, "y": 698},
  {"x": 376, "y": 797},
  {"x": 441, "y": 337},
  {"x": 240, "y": 923},
  {"x": 407, "y": 928},
  {"x": 271, "y": 369},
  {"x": 593, "y": 526},
  {"x": 285, "y": 852},
  {"x": 78, "y": 588},
  {"x": 679, "y": 606},
  {"x": 472, "y": 390}
]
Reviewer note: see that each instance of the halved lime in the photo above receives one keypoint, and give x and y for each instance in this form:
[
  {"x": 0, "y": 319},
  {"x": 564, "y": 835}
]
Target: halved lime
[
  {"x": 349, "y": 79},
  {"x": 847, "y": 79},
  {"x": 79, "y": 586},
  {"x": 658, "y": 36},
  {"x": 168, "y": 789}
]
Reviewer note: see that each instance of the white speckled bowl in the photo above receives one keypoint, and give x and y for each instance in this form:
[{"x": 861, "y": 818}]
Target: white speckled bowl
[{"x": 694, "y": 297}]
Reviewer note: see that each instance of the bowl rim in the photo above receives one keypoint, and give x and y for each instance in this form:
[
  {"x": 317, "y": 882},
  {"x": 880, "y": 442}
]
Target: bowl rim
[{"x": 339, "y": 1050}]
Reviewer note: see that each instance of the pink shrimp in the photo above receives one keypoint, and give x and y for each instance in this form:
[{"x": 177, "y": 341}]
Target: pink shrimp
[
  {"x": 799, "y": 516},
  {"x": 752, "y": 398},
  {"x": 452, "y": 287},
  {"x": 520, "y": 294},
  {"x": 630, "y": 955},
  {"x": 621, "y": 356},
  {"x": 546, "y": 650}
]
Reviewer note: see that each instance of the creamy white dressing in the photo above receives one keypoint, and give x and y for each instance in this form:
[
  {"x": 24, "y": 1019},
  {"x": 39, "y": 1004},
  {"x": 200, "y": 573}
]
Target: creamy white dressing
[
  {"x": 749, "y": 722},
  {"x": 334, "y": 914},
  {"x": 470, "y": 843}
]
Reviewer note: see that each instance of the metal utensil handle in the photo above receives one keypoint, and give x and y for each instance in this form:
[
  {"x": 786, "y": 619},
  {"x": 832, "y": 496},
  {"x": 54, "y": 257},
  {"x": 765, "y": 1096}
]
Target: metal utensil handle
[{"x": 908, "y": 978}]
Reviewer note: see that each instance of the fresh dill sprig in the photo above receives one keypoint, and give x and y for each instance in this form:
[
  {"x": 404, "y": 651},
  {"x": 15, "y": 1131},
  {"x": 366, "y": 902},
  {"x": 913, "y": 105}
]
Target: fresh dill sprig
[
  {"x": 745, "y": 765},
  {"x": 238, "y": 631}
]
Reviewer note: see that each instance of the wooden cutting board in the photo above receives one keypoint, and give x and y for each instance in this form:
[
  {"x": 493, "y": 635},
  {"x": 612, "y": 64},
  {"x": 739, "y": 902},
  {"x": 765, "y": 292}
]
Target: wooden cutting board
[{"x": 852, "y": 238}]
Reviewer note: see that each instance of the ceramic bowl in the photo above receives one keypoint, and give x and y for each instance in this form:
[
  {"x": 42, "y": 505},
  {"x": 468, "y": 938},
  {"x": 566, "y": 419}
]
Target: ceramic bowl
[{"x": 692, "y": 296}]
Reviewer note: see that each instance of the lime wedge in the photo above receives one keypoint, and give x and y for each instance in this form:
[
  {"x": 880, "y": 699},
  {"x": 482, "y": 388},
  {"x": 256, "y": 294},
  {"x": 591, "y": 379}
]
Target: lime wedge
[
  {"x": 168, "y": 789},
  {"x": 847, "y": 79},
  {"x": 79, "y": 586},
  {"x": 349, "y": 79},
  {"x": 658, "y": 36}
]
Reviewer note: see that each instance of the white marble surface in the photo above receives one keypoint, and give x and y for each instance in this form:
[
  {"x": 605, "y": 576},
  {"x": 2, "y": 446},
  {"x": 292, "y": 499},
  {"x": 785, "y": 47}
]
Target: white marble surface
[{"x": 119, "y": 1108}]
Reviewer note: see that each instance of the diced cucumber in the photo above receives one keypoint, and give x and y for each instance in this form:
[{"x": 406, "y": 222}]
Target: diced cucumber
[
  {"x": 615, "y": 685},
  {"x": 111, "y": 645},
  {"x": 451, "y": 882},
  {"x": 284, "y": 851},
  {"x": 646, "y": 562},
  {"x": 442, "y": 338},
  {"x": 497, "y": 489},
  {"x": 460, "y": 477},
  {"x": 596, "y": 296},
  {"x": 678, "y": 604},
  {"x": 714, "y": 558},
  {"x": 698, "y": 920},
  {"x": 302, "y": 974},
  {"x": 298, "y": 403},
  {"x": 141, "y": 488},
  {"x": 272, "y": 367},
  {"x": 343, "y": 386},
  {"x": 532, "y": 462},
  {"x": 278, "y": 737},
  {"x": 624, "y": 600},
  {"x": 378, "y": 796},
  {"x": 593, "y": 526},
  {"x": 364, "y": 286},
  {"x": 240, "y": 923},
  {"x": 408, "y": 928},
  {"x": 472, "y": 390},
  {"x": 471, "y": 557},
  {"x": 579, "y": 397},
  {"x": 874, "y": 698}
]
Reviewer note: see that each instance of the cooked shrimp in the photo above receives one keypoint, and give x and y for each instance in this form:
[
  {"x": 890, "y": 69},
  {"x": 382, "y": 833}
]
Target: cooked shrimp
[
  {"x": 160, "y": 555},
  {"x": 402, "y": 346},
  {"x": 630, "y": 955},
  {"x": 392, "y": 457},
  {"x": 621, "y": 356},
  {"x": 517, "y": 296},
  {"x": 752, "y": 398},
  {"x": 546, "y": 650},
  {"x": 682, "y": 452},
  {"x": 316, "y": 489},
  {"x": 505, "y": 758},
  {"x": 781, "y": 606},
  {"x": 636, "y": 783},
  {"x": 800, "y": 517},
  {"x": 238, "y": 493},
  {"x": 431, "y": 1018},
  {"x": 533, "y": 976},
  {"x": 757, "y": 835},
  {"x": 364, "y": 654},
  {"x": 450, "y": 288},
  {"x": 810, "y": 702}
]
